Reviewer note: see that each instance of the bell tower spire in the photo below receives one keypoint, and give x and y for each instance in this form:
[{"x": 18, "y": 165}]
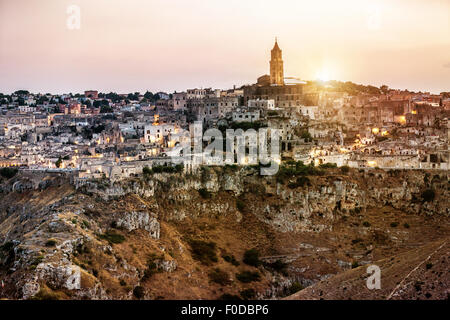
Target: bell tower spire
[{"x": 276, "y": 65}]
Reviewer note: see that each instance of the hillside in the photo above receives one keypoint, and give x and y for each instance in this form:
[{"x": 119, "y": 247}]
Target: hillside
[{"x": 175, "y": 236}]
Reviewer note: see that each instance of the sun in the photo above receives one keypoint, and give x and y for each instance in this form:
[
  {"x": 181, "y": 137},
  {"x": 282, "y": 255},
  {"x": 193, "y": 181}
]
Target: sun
[{"x": 323, "y": 75}]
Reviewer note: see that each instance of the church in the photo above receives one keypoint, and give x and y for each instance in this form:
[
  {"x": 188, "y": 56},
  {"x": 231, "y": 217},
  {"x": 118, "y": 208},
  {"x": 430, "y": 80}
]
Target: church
[{"x": 273, "y": 86}]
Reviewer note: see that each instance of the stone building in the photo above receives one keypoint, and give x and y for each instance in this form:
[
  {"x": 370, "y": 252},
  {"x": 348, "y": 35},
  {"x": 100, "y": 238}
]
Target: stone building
[{"x": 273, "y": 86}]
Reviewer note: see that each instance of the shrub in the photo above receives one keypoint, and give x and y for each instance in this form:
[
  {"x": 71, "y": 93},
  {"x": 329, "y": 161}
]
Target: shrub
[
  {"x": 248, "y": 294},
  {"x": 278, "y": 265},
  {"x": 46, "y": 294},
  {"x": 428, "y": 195},
  {"x": 122, "y": 283},
  {"x": 203, "y": 251},
  {"x": 85, "y": 224},
  {"x": 306, "y": 135},
  {"x": 355, "y": 265},
  {"x": 112, "y": 237},
  {"x": 328, "y": 165},
  {"x": 300, "y": 182},
  {"x": 251, "y": 257},
  {"x": 295, "y": 287},
  {"x": 205, "y": 194},
  {"x": 7, "y": 246},
  {"x": 248, "y": 276},
  {"x": 138, "y": 292},
  {"x": 8, "y": 173},
  {"x": 418, "y": 285},
  {"x": 50, "y": 243},
  {"x": 345, "y": 169},
  {"x": 357, "y": 240},
  {"x": 293, "y": 169},
  {"x": 240, "y": 205},
  {"x": 220, "y": 277},
  {"x": 231, "y": 259},
  {"x": 165, "y": 168},
  {"x": 406, "y": 225},
  {"x": 429, "y": 265},
  {"x": 394, "y": 224},
  {"x": 147, "y": 171},
  {"x": 366, "y": 224}
]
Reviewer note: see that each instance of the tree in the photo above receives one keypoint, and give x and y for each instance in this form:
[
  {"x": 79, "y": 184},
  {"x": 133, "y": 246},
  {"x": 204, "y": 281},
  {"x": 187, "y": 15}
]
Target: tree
[
  {"x": 58, "y": 162},
  {"x": 306, "y": 135},
  {"x": 148, "y": 95},
  {"x": 21, "y": 92},
  {"x": 106, "y": 109},
  {"x": 100, "y": 103}
]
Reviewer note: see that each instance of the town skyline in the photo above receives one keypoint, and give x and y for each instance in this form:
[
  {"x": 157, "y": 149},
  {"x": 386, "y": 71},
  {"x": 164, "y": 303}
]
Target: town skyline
[{"x": 379, "y": 44}]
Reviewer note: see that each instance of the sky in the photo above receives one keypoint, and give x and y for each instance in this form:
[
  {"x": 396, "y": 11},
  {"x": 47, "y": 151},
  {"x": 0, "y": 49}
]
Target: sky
[{"x": 172, "y": 45}]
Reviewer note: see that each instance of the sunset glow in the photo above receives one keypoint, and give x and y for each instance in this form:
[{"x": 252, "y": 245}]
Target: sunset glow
[{"x": 177, "y": 44}]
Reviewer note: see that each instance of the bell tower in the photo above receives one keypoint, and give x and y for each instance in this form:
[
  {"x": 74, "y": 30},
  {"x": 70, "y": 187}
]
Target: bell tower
[{"x": 276, "y": 66}]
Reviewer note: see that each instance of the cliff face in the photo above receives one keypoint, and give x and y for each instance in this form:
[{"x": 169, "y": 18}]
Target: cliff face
[{"x": 103, "y": 239}]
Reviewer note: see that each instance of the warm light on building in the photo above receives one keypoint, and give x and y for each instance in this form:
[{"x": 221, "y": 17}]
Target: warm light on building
[
  {"x": 156, "y": 120},
  {"x": 414, "y": 112},
  {"x": 372, "y": 163},
  {"x": 375, "y": 130}
]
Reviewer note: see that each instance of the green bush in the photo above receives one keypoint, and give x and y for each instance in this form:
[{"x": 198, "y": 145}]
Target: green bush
[
  {"x": 278, "y": 266},
  {"x": 406, "y": 225},
  {"x": 428, "y": 195},
  {"x": 295, "y": 287},
  {"x": 152, "y": 268},
  {"x": 251, "y": 257},
  {"x": 138, "y": 292},
  {"x": 204, "y": 193},
  {"x": 220, "y": 277},
  {"x": 366, "y": 224},
  {"x": 231, "y": 259},
  {"x": 328, "y": 165},
  {"x": 165, "y": 168},
  {"x": 112, "y": 237},
  {"x": 345, "y": 169},
  {"x": 247, "y": 125},
  {"x": 300, "y": 182},
  {"x": 50, "y": 243},
  {"x": 394, "y": 224},
  {"x": 147, "y": 171},
  {"x": 294, "y": 169},
  {"x": 429, "y": 266},
  {"x": 203, "y": 251},
  {"x": 8, "y": 173},
  {"x": 248, "y": 276},
  {"x": 355, "y": 265},
  {"x": 248, "y": 294},
  {"x": 240, "y": 205},
  {"x": 306, "y": 135}
]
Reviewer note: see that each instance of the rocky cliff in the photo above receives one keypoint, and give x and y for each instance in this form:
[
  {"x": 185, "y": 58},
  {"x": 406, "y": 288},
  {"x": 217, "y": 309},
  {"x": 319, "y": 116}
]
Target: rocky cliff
[{"x": 150, "y": 237}]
